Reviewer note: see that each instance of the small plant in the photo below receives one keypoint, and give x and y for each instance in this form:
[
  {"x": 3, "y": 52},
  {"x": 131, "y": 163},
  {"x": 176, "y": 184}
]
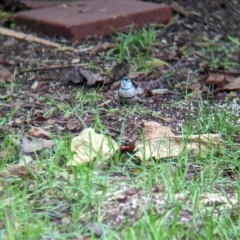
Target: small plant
[
  {"x": 134, "y": 46},
  {"x": 222, "y": 53}
]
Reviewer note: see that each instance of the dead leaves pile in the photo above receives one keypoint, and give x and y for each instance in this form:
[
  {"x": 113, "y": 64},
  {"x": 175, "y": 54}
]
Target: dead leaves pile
[
  {"x": 159, "y": 142},
  {"x": 90, "y": 146},
  {"x": 223, "y": 81}
]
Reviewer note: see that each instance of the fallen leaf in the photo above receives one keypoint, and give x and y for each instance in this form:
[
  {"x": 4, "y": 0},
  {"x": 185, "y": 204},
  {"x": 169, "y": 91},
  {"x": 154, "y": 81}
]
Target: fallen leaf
[
  {"x": 92, "y": 78},
  {"x": 25, "y": 159},
  {"x": 3, "y": 153},
  {"x": 127, "y": 148},
  {"x": 155, "y": 62},
  {"x": 179, "y": 9},
  {"x": 157, "y": 92},
  {"x": 119, "y": 71},
  {"x": 105, "y": 103},
  {"x": 196, "y": 94},
  {"x": 168, "y": 120},
  {"x": 159, "y": 142},
  {"x": 39, "y": 132},
  {"x": 34, "y": 144},
  {"x": 5, "y": 74},
  {"x": 103, "y": 47},
  {"x": 90, "y": 146},
  {"x": 15, "y": 170},
  {"x": 223, "y": 80},
  {"x": 75, "y": 61},
  {"x": 34, "y": 85},
  {"x": 7, "y": 95},
  {"x": 72, "y": 126},
  {"x": 79, "y": 74},
  {"x": 39, "y": 119}
]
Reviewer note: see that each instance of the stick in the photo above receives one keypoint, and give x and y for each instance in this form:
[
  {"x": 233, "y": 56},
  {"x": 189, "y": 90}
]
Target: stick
[
  {"x": 51, "y": 68},
  {"x": 31, "y": 38},
  {"x": 169, "y": 71}
]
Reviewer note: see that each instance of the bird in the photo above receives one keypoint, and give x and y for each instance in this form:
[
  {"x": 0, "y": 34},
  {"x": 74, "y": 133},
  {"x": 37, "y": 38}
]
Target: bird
[{"x": 126, "y": 92}]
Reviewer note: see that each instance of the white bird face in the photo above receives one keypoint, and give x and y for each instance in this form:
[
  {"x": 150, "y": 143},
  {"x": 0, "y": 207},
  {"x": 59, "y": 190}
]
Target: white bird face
[
  {"x": 127, "y": 91},
  {"x": 126, "y": 83}
]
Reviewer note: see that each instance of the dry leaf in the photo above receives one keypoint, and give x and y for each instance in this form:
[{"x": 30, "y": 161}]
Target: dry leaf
[
  {"x": 127, "y": 148},
  {"x": 25, "y": 159},
  {"x": 160, "y": 142},
  {"x": 119, "y": 71},
  {"x": 15, "y": 170},
  {"x": 72, "y": 126},
  {"x": 89, "y": 146},
  {"x": 5, "y": 74},
  {"x": 92, "y": 78},
  {"x": 39, "y": 132},
  {"x": 79, "y": 74},
  {"x": 155, "y": 62},
  {"x": 223, "y": 80},
  {"x": 179, "y": 9},
  {"x": 35, "y": 144},
  {"x": 75, "y": 61},
  {"x": 168, "y": 120},
  {"x": 39, "y": 119},
  {"x": 34, "y": 85},
  {"x": 103, "y": 47}
]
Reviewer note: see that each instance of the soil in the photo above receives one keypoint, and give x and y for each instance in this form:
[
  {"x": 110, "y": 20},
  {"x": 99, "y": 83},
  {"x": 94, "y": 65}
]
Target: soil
[{"x": 209, "y": 20}]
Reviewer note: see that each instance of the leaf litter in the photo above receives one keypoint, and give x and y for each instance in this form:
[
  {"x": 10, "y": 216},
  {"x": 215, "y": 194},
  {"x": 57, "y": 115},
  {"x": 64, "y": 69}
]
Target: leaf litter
[{"x": 195, "y": 75}]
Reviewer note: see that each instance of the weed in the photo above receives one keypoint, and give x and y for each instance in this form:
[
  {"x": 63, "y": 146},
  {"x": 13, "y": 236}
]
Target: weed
[{"x": 134, "y": 46}]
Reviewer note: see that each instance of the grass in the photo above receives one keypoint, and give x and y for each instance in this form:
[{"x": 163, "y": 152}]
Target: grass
[
  {"x": 134, "y": 46},
  {"x": 188, "y": 197},
  {"x": 55, "y": 202},
  {"x": 222, "y": 53}
]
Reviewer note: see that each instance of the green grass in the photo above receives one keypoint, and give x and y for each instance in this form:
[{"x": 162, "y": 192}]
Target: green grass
[
  {"x": 222, "y": 53},
  {"x": 57, "y": 201},
  {"x": 134, "y": 46}
]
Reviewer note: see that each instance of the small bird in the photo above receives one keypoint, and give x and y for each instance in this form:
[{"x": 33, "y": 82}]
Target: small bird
[{"x": 126, "y": 92}]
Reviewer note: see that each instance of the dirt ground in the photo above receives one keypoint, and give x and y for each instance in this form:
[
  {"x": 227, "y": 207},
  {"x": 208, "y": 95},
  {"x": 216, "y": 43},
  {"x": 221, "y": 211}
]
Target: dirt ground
[
  {"x": 218, "y": 20},
  {"x": 198, "y": 33}
]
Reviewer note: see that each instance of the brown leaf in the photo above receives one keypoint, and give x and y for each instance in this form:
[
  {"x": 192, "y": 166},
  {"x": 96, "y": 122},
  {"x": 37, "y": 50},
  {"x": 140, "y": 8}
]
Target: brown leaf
[
  {"x": 15, "y": 170},
  {"x": 168, "y": 120},
  {"x": 127, "y": 148},
  {"x": 92, "y": 78},
  {"x": 39, "y": 132},
  {"x": 5, "y": 74},
  {"x": 89, "y": 146},
  {"x": 179, "y": 9},
  {"x": 72, "y": 126},
  {"x": 160, "y": 142},
  {"x": 119, "y": 71},
  {"x": 39, "y": 119},
  {"x": 35, "y": 144},
  {"x": 223, "y": 80},
  {"x": 75, "y": 61},
  {"x": 103, "y": 47},
  {"x": 79, "y": 74},
  {"x": 3, "y": 153},
  {"x": 196, "y": 94},
  {"x": 115, "y": 85}
]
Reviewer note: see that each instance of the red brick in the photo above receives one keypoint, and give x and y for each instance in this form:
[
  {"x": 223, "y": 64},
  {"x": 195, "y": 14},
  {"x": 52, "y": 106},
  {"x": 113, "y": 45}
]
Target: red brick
[
  {"x": 41, "y": 4},
  {"x": 93, "y": 17}
]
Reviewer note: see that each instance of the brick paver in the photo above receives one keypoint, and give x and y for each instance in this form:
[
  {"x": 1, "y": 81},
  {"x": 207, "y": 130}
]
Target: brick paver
[
  {"x": 92, "y": 17},
  {"x": 40, "y": 4},
  {"x": 46, "y": 3}
]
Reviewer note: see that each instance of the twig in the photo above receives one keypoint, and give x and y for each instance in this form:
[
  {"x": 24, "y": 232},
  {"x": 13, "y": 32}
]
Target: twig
[
  {"x": 31, "y": 38},
  {"x": 169, "y": 71},
  {"x": 51, "y": 68}
]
